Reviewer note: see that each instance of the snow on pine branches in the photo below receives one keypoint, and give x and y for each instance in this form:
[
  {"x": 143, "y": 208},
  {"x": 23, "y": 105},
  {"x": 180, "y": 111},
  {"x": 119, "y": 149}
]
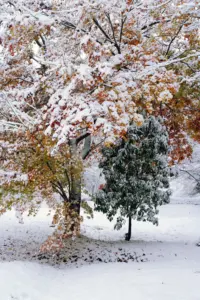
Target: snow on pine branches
[{"x": 136, "y": 175}]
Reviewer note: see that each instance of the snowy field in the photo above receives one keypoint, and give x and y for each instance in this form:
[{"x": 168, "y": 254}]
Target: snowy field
[
  {"x": 170, "y": 269},
  {"x": 158, "y": 263},
  {"x": 151, "y": 281}
]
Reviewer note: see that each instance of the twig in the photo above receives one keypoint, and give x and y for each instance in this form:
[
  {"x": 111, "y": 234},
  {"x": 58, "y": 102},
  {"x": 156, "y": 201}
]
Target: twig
[
  {"x": 190, "y": 175},
  {"x": 173, "y": 39},
  {"x": 113, "y": 33}
]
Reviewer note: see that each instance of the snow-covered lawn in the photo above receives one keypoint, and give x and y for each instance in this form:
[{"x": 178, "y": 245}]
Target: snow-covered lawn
[
  {"x": 162, "y": 262},
  {"x": 151, "y": 281},
  {"x": 170, "y": 267},
  {"x": 179, "y": 228}
]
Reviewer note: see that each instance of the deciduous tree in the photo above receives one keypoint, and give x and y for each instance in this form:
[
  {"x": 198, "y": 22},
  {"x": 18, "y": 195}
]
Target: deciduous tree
[{"x": 81, "y": 71}]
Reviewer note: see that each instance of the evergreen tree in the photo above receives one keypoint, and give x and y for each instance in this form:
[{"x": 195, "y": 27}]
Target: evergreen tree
[{"x": 136, "y": 175}]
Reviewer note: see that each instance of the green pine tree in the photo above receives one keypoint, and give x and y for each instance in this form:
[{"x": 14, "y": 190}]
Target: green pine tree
[{"x": 136, "y": 175}]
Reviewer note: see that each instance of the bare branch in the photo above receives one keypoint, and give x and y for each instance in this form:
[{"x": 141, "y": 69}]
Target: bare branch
[
  {"x": 113, "y": 33},
  {"x": 123, "y": 21},
  {"x": 87, "y": 147},
  {"x": 173, "y": 39},
  {"x": 193, "y": 70},
  {"x": 82, "y": 137},
  {"x": 102, "y": 30},
  {"x": 190, "y": 174}
]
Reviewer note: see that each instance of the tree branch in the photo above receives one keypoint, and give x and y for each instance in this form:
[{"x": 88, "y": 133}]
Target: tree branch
[
  {"x": 189, "y": 174},
  {"x": 123, "y": 21},
  {"x": 102, "y": 30},
  {"x": 173, "y": 39},
  {"x": 87, "y": 147},
  {"x": 113, "y": 33},
  {"x": 82, "y": 137}
]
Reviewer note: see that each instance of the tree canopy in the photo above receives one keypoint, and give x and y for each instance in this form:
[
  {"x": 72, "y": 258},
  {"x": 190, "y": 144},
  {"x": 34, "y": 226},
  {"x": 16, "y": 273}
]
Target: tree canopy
[{"x": 80, "y": 72}]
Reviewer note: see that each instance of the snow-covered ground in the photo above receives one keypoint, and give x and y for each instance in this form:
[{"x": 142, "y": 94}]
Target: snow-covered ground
[
  {"x": 158, "y": 263},
  {"x": 151, "y": 281},
  {"x": 168, "y": 264}
]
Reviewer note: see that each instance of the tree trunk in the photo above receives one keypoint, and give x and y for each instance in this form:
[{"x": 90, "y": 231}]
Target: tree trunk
[
  {"x": 75, "y": 192},
  {"x": 74, "y": 199},
  {"x": 128, "y": 235},
  {"x": 75, "y": 195},
  {"x": 76, "y": 183}
]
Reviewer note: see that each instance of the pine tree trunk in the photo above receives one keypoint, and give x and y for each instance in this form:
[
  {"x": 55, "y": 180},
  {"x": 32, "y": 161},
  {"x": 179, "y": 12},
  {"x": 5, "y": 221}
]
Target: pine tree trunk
[{"x": 128, "y": 235}]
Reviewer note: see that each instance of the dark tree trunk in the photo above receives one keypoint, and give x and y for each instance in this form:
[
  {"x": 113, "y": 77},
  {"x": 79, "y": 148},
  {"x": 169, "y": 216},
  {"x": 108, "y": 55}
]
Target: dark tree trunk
[
  {"x": 74, "y": 199},
  {"x": 73, "y": 206},
  {"x": 128, "y": 234},
  {"x": 75, "y": 195},
  {"x": 75, "y": 189}
]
